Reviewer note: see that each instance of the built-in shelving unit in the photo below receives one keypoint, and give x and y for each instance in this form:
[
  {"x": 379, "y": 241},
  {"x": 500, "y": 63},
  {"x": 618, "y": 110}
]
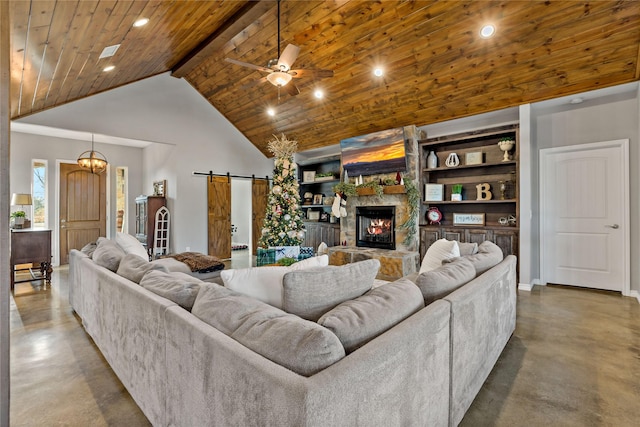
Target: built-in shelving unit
[
  {"x": 491, "y": 171},
  {"x": 319, "y": 227}
]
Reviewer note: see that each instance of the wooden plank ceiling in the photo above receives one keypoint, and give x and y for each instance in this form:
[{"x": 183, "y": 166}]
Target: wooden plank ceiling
[{"x": 437, "y": 67}]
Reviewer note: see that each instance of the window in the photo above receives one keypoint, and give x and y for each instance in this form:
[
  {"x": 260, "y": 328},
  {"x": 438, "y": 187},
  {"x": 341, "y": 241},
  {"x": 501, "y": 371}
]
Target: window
[
  {"x": 39, "y": 194},
  {"x": 121, "y": 199}
]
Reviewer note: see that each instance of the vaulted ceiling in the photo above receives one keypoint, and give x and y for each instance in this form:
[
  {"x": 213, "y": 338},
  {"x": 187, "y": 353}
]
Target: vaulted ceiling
[{"x": 436, "y": 65}]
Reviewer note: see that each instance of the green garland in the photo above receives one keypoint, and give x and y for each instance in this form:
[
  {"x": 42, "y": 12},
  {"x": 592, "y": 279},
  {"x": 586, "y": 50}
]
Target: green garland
[{"x": 413, "y": 198}]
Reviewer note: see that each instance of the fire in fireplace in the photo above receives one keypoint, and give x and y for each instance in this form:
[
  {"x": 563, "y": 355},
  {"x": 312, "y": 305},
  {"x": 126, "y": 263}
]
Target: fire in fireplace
[{"x": 375, "y": 227}]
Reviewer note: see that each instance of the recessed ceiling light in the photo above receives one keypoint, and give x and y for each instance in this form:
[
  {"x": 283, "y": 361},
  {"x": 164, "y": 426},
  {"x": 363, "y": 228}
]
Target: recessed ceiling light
[
  {"x": 318, "y": 94},
  {"x": 271, "y": 112},
  {"x": 109, "y": 68},
  {"x": 378, "y": 72},
  {"x": 487, "y": 31},
  {"x": 141, "y": 22},
  {"x": 577, "y": 100}
]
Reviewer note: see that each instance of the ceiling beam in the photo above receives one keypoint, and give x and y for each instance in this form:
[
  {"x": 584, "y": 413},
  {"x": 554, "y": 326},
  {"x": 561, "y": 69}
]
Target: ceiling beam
[{"x": 244, "y": 17}]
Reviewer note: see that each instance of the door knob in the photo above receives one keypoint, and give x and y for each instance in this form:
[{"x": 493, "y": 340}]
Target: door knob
[
  {"x": 63, "y": 220},
  {"x": 614, "y": 226}
]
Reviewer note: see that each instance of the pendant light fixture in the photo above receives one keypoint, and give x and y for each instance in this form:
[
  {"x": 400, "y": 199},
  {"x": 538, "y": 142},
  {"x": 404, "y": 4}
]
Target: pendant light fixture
[{"x": 93, "y": 161}]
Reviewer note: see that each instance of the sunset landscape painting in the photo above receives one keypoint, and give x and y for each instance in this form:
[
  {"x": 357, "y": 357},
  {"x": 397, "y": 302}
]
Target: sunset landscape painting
[{"x": 374, "y": 153}]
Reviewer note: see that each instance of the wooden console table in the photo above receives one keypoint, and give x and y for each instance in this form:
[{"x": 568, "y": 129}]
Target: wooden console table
[{"x": 29, "y": 246}]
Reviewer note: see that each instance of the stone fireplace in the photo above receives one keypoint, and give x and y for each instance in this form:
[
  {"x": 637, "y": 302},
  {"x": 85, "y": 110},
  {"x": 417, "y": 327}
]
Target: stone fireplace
[{"x": 375, "y": 227}]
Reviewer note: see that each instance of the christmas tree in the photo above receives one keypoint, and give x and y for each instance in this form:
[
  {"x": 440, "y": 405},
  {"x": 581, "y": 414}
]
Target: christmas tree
[{"x": 283, "y": 224}]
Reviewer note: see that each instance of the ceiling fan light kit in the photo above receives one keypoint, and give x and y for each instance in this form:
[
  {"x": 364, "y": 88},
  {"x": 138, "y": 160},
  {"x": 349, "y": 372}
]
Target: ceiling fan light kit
[{"x": 279, "y": 78}]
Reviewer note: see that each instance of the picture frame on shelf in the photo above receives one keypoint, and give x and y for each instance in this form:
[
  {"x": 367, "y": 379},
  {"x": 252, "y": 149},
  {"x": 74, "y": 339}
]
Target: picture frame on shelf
[
  {"x": 433, "y": 192},
  {"x": 473, "y": 158},
  {"x": 160, "y": 188},
  {"x": 324, "y": 217},
  {"x": 308, "y": 176},
  {"x": 317, "y": 199},
  {"x": 468, "y": 219},
  {"x": 313, "y": 215}
]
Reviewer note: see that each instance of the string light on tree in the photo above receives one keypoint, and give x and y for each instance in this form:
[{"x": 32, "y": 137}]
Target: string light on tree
[{"x": 283, "y": 224}]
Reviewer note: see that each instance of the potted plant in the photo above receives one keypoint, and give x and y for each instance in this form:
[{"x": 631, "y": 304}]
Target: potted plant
[
  {"x": 456, "y": 192},
  {"x": 18, "y": 217}
]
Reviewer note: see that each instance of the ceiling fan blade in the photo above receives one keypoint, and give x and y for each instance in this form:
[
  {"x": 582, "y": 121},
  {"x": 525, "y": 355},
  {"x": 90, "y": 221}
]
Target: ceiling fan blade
[
  {"x": 246, "y": 64},
  {"x": 288, "y": 57},
  {"x": 291, "y": 89},
  {"x": 318, "y": 74},
  {"x": 253, "y": 83}
]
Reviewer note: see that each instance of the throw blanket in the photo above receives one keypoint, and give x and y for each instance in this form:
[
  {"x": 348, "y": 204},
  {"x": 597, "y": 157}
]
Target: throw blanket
[{"x": 197, "y": 262}]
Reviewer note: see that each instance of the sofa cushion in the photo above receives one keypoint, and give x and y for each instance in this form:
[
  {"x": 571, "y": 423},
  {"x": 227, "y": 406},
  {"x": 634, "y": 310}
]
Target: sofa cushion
[
  {"x": 265, "y": 283},
  {"x": 133, "y": 267},
  {"x": 312, "y": 292},
  {"x": 358, "y": 321},
  {"x": 89, "y": 248},
  {"x": 440, "y": 282},
  {"x": 107, "y": 254},
  {"x": 177, "y": 287},
  {"x": 131, "y": 245},
  {"x": 299, "y": 345},
  {"x": 439, "y": 251},
  {"x": 467, "y": 248},
  {"x": 489, "y": 255}
]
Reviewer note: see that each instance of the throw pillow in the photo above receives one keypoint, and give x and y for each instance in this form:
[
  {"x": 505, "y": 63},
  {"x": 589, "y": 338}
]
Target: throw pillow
[
  {"x": 489, "y": 254},
  {"x": 467, "y": 248},
  {"x": 131, "y": 245},
  {"x": 133, "y": 267},
  {"x": 358, "y": 321},
  {"x": 108, "y": 254},
  {"x": 265, "y": 283},
  {"x": 312, "y": 292},
  {"x": 440, "y": 282},
  {"x": 177, "y": 287},
  {"x": 89, "y": 248},
  {"x": 439, "y": 251},
  {"x": 301, "y": 346}
]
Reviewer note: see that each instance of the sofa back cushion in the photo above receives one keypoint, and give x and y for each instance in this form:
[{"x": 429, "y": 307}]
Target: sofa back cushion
[
  {"x": 133, "y": 267},
  {"x": 131, "y": 245},
  {"x": 489, "y": 255},
  {"x": 299, "y": 345},
  {"x": 358, "y": 321},
  {"x": 467, "y": 248},
  {"x": 107, "y": 254},
  {"x": 312, "y": 292},
  {"x": 440, "y": 282},
  {"x": 439, "y": 251},
  {"x": 177, "y": 287},
  {"x": 265, "y": 283}
]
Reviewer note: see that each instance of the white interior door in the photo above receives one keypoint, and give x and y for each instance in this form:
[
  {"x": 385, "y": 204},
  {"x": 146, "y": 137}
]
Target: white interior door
[{"x": 585, "y": 215}]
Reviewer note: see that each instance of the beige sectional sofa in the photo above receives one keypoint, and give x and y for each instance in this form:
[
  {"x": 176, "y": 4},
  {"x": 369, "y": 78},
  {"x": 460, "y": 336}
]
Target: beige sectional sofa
[{"x": 182, "y": 371}]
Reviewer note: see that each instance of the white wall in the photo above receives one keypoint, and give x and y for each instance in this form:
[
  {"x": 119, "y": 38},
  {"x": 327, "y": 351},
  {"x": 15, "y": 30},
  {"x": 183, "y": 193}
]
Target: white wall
[
  {"x": 241, "y": 210},
  {"x": 186, "y": 133}
]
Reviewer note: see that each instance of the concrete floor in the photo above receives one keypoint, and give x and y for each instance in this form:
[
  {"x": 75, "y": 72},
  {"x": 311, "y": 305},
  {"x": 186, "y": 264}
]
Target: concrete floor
[{"x": 574, "y": 360}]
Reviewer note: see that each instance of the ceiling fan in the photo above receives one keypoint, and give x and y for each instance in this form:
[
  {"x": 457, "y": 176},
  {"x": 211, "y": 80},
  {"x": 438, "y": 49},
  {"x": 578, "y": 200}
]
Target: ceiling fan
[{"x": 279, "y": 70}]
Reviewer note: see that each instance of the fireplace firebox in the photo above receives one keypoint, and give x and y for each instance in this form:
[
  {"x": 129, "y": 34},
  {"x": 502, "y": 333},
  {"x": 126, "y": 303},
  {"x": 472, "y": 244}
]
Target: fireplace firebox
[{"x": 375, "y": 227}]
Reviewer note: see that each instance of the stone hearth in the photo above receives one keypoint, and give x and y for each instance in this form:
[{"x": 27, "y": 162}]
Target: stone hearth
[{"x": 393, "y": 264}]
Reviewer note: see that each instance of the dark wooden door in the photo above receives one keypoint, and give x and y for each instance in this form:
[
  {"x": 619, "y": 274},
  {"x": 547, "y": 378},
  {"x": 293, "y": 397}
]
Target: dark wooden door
[
  {"x": 83, "y": 208},
  {"x": 219, "y": 216},
  {"x": 259, "y": 197}
]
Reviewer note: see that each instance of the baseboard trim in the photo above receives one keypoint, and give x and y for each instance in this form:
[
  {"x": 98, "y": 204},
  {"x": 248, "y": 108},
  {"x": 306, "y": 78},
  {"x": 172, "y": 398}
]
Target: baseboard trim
[
  {"x": 529, "y": 287},
  {"x": 636, "y": 295}
]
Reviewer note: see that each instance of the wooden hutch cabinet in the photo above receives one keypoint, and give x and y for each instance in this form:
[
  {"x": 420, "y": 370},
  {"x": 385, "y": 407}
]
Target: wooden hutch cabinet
[
  {"x": 146, "y": 207},
  {"x": 482, "y": 165}
]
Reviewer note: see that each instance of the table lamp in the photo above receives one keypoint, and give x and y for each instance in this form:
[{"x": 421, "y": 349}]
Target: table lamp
[{"x": 20, "y": 199}]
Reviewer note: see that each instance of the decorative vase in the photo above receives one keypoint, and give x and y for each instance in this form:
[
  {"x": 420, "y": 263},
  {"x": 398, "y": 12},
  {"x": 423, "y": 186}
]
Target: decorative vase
[
  {"x": 452, "y": 160},
  {"x": 432, "y": 160}
]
